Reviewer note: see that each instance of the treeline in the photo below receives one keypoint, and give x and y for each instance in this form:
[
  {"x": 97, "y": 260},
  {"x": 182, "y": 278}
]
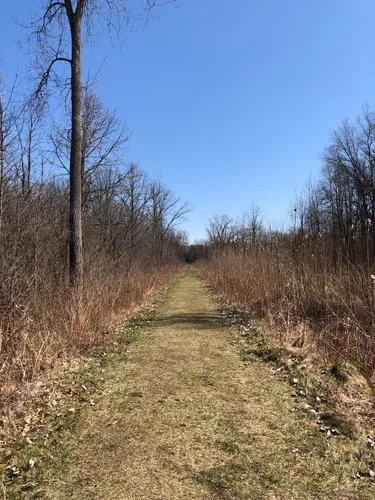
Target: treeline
[
  {"x": 314, "y": 282},
  {"x": 130, "y": 241}
]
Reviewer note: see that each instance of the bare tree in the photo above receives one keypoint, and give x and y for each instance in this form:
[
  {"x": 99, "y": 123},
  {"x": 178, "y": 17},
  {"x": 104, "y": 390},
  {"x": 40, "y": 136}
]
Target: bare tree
[
  {"x": 104, "y": 135},
  {"x": 8, "y": 135},
  {"x": 60, "y": 33},
  {"x": 28, "y": 137},
  {"x": 253, "y": 223},
  {"x": 221, "y": 231},
  {"x": 166, "y": 210},
  {"x": 135, "y": 197}
]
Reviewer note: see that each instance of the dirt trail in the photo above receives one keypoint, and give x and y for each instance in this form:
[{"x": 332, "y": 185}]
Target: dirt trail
[{"x": 184, "y": 418}]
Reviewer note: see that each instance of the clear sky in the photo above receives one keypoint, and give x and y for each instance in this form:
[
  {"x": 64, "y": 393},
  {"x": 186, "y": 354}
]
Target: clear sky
[{"x": 231, "y": 102}]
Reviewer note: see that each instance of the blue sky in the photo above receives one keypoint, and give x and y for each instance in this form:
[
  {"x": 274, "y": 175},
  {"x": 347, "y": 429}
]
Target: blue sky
[{"x": 231, "y": 103}]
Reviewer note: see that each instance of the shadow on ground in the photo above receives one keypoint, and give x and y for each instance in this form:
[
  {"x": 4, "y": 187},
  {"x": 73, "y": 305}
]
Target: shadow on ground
[{"x": 196, "y": 321}]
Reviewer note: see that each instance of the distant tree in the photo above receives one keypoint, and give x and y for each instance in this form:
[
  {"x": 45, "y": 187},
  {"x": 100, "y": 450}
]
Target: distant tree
[
  {"x": 196, "y": 251},
  {"x": 221, "y": 231},
  {"x": 253, "y": 223},
  {"x": 166, "y": 210}
]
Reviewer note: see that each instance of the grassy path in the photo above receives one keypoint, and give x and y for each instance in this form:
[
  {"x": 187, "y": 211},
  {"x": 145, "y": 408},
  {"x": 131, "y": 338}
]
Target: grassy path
[{"x": 184, "y": 418}]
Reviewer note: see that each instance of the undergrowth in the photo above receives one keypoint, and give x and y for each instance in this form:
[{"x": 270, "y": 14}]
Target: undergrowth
[
  {"x": 30, "y": 436},
  {"x": 319, "y": 309}
]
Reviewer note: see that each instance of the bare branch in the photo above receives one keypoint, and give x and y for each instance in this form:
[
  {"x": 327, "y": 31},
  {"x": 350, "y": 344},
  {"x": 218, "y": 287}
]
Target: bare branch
[{"x": 46, "y": 75}]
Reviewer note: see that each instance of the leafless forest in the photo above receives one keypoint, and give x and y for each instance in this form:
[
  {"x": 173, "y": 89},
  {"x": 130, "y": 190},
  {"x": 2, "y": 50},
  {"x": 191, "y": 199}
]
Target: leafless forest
[
  {"x": 314, "y": 281},
  {"x": 84, "y": 232}
]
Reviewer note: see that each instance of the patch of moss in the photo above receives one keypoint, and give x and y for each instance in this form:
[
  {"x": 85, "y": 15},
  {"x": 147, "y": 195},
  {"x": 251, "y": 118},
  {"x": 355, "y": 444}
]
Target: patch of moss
[{"x": 342, "y": 370}]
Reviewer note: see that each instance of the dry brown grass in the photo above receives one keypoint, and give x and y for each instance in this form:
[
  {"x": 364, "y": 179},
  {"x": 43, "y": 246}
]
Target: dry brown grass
[{"x": 305, "y": 301}]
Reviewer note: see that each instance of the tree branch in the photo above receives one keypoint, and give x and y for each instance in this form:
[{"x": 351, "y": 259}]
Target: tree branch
[{"x": 45, "y": 77}]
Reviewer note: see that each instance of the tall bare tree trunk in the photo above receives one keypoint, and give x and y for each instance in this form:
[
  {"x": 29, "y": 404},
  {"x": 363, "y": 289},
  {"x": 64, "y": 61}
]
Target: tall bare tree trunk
[
  {"x": 2, "y": 162},
  {"x": 75, "y": 205}
]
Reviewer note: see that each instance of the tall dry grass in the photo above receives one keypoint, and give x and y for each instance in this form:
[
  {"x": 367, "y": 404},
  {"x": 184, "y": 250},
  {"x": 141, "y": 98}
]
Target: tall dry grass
[
  {"x": 306, "y": 300},
  {"x": 51, "y": 324}
]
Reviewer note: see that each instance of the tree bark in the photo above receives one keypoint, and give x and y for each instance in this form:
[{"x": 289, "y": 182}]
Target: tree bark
[
  {"x": 2, "y": 162},
  {"x": 75, "y": 204}
]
